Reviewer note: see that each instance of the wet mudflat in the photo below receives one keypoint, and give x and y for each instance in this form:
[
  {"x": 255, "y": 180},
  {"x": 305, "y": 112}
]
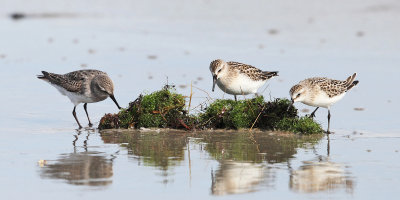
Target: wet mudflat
[{"x": 143, "y": 46}]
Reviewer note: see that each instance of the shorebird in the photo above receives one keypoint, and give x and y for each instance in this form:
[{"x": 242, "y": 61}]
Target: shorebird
[
  {"x": 238, "y": 78},
  {"x": 321, "y": 92},
  {"x": 82, "y": 86}
]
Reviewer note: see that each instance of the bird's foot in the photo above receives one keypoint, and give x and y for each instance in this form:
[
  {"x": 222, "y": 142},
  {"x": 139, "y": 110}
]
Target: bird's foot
[
  {"x": 90, "y": 124},
  {"x": 329, "y": 132}
]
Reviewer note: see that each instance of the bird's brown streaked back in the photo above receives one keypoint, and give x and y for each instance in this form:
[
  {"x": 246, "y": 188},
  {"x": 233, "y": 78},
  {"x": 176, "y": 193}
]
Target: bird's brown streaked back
[
  {"x": 329, "y": 86},
  {"x": 82, "y": 86},
  {"x": 72, "y": 81},
  {"x": 253, "y": 72}
]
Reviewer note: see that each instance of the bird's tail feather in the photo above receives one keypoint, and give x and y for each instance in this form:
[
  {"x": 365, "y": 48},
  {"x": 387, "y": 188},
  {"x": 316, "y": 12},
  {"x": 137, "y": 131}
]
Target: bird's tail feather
[
  {"x": 44, "y": 75},
  {"x": 352, "y": 84},
  {"x": 271, "y": 74},
  {"x": 350, "y": 79}
]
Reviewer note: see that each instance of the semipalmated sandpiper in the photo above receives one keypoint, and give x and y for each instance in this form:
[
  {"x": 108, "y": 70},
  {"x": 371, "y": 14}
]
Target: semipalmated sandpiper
[
  {"x": 321, "y": 92},
  {"x": 238, "y": 78},
  {"x": 83, "y": 86}
]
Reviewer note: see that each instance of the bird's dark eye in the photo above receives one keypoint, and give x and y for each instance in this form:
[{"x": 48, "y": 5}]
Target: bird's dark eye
[
  {"x": 219, "y": 70},
  {"x": 298, "y": 94}
]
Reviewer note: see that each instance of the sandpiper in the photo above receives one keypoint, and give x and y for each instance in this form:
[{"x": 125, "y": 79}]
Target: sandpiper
[
  {"x": 82, "y": 86},
  {"x": 238, "y": 78},
  {"x": 321, "y": 92}
]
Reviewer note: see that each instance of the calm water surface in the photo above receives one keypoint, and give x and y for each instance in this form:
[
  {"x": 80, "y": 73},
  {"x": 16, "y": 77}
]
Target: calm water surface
[
  {"x": 143, "y": 45},
  {"x": 198, "y": 165}
]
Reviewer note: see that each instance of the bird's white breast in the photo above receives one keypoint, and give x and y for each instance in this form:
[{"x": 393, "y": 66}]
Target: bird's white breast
[
  {"x": 323, "y": 100},
  {"x": 75, "y": 98},
  {"x": 240, "y": 84}
]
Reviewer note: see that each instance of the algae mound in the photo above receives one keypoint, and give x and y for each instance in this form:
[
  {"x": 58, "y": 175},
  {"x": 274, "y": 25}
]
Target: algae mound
[
  {"x": 167, "y": 109},
  {"x": 162, "y": 109}
]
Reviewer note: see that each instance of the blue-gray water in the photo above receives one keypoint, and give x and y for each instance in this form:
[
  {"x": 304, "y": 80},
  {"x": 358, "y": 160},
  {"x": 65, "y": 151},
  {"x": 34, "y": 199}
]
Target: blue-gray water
[{"x": 142, "y": 45}]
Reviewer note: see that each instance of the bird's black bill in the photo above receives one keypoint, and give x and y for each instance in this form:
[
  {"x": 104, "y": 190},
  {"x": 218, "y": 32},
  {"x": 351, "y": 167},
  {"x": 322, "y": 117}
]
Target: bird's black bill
[
  {"x": 115, "y": 101},
  {"x": 214, "y": 82},
  {"x": 291, "y": 104}
]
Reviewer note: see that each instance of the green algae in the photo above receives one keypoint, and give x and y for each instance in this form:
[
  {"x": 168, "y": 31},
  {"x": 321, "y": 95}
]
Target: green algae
[
  {"x": 167, "y": 109},
  {"x": 304, "y": 125},
  {"x": 164, "y": 109}
]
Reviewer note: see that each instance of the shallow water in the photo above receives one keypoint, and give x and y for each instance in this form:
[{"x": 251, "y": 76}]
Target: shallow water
[
  {"x": 89, "y": 164},
  {"x": 143, "y": 45}
]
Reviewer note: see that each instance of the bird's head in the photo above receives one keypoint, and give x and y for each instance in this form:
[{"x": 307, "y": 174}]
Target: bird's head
[
  {"x": 104, "y": 85},
  {"x": 218, "y": 68},
  {"x": 298, "y": 93}
]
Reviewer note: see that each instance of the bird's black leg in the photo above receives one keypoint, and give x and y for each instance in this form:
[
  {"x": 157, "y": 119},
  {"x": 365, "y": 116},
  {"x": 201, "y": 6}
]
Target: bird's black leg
[
  {"x": 328, "y": 147},
  {"x": 85, "y": 107},
  {"x": 74, "y": 113},
  {"x": 329, "y": 121},
  {"x": 235, "y": 97},
  {"x": 312, "y": 115}
]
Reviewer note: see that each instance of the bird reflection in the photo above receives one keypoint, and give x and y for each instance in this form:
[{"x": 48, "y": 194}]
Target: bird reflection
[
  {"x": 81, "y": 168},
  {"x": 244, "y": 158},
  {"x": 237, "y": 177},
  {"x": 320, "y": 175}
]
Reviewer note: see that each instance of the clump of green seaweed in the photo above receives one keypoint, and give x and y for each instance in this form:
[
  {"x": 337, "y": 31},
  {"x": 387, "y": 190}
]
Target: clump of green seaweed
[
  {"x": 299, "y": 125},
  {"x": 167, "y": 109},
  {"x": 163, "y": 109},
  {"x": 224, "y": 113}
]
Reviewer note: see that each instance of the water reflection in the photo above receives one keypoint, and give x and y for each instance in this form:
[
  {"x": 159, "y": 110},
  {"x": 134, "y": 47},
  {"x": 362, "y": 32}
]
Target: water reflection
[
  {"x": 257, "y": 147},
  {"x": 80, "y": 168},
  {"x": 85, "y": 168},
  {"x": 244, "y": 159},
  {"x": 321, "y": 175},
  {"x": 161, "y": 150},
  {"x": 237, "y": 177},
  {"x": 241, "y": 157}
]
